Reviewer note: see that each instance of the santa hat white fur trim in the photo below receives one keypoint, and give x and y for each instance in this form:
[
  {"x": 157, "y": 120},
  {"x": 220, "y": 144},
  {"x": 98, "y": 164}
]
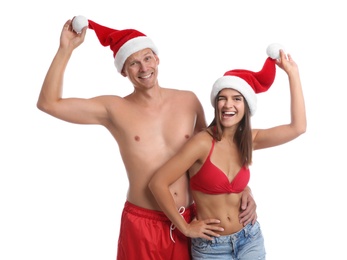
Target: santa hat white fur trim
[
  {"x": 130, "y": 47},
  {"x": 238, "y": 84}
]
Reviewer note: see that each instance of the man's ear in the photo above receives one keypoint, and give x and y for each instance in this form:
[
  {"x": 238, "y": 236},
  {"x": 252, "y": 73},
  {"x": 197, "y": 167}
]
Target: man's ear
[
  {"x": 123, "y": 73},
  {"x": 157, "y": 58}
]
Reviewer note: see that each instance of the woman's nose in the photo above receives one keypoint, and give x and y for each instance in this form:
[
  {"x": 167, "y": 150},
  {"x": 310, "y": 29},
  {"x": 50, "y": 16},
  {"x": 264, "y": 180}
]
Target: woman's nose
[{"x": 229, "y": 103}]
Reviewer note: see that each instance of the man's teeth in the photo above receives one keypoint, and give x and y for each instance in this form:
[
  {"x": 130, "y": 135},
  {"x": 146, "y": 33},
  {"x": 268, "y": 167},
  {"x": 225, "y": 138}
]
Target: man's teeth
[{"x": 146, "y": 77}]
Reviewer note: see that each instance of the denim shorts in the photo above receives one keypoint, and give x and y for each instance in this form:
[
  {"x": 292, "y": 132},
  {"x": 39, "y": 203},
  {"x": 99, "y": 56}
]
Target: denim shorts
[{"x": 246, "y": 244}]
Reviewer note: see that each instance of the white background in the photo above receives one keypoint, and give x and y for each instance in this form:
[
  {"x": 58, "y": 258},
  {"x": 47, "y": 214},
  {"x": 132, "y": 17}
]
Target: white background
[{"x": 63, "y": 186}]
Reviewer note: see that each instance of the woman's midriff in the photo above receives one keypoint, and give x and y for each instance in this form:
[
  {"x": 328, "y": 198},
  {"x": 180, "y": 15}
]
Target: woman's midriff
[{"x": 225, "y": 207}]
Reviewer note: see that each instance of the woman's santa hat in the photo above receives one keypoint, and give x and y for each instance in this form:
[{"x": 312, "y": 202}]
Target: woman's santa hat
[
  {"x": 123, "y": 43},
  {"x": 250, "y": 83}
]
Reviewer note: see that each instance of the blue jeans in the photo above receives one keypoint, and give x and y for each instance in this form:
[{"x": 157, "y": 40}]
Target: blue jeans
[{"x": 247, "y": 244}]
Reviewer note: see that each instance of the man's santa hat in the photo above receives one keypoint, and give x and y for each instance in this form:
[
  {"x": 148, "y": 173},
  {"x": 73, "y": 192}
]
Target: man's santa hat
[
  {"x": 123, "y": 43},
  {"x": 247, "y": 82}
]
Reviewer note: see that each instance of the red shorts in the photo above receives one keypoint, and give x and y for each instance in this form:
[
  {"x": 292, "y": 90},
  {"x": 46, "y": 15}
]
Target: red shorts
[{"x": 145, "y": 234}]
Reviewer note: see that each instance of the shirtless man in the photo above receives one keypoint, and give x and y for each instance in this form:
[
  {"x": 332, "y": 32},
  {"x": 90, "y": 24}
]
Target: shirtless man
[{"x": 149, "y": 125}]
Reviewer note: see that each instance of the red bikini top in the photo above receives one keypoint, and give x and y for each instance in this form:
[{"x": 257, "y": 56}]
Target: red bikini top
[{"x": 211, "y": 180}]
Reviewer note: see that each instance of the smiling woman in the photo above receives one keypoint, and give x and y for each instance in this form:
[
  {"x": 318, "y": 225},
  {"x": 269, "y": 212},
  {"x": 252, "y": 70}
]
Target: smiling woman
[
  {"x": 218, "y": 160},
  {"x": 230, "y": 105},
  {"x": 61, "y": 184}
]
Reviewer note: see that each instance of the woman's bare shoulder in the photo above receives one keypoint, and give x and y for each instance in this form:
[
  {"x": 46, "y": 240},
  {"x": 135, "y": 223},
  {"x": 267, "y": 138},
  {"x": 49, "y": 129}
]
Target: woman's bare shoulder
[{"x": 202, "y": 139}]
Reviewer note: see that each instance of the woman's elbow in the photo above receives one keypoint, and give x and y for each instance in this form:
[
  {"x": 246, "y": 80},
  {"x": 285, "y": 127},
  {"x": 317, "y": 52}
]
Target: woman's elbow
[
  {"x": 152, "y": 184},
  {"x": 301, "y": 129}
]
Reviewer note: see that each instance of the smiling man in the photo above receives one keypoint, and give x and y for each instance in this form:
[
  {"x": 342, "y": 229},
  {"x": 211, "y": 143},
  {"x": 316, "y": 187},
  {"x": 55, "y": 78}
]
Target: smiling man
[{"x": 146, "y": 136}]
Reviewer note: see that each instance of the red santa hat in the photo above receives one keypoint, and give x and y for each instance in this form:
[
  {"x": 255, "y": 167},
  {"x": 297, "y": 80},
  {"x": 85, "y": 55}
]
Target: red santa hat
[
  {"x": 247, "y": 82},
  {"x": 123, "y": 43}
]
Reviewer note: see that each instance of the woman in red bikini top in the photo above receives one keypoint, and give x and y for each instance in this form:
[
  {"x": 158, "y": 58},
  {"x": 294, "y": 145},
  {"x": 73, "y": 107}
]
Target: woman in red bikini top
[{"x": 218, "y": 158}]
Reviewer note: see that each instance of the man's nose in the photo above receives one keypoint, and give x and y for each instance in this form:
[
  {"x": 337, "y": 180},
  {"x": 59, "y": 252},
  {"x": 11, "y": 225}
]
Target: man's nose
[{"x": 143, "y": 66}]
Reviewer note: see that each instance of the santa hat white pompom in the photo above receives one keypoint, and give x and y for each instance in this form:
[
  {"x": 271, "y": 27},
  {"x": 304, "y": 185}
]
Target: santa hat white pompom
[
  {"x": 78, "y": 23},
  {"x": 273, "y": 50}
]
